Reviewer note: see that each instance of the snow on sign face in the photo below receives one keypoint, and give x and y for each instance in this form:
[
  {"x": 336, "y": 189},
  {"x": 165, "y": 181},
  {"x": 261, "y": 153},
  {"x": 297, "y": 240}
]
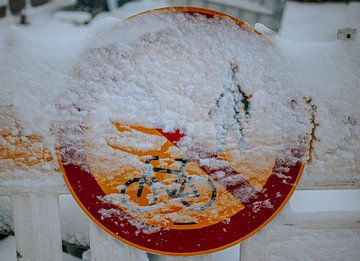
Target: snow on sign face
[{"x": 179, "y": 135}]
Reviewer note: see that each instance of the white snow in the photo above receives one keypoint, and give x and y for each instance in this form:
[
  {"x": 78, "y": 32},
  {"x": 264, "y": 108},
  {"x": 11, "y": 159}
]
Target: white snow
[
  {"x": 245, "y": 4},
  {"x": 312, "y": 22},
  {"x": 325, "y": 201},
  {"x": 6, "y": 223},
  {"x": 327, "y": 234},
  {"x": 36, "y": 67},
  {"x": 133, "y": 8},
  {"x": 285, "y": 243},
  {"x": 74, "y": 223},
  {"x": 8, "y": 248},
  {"x": 42, "y": 23},
  {"x": 43, "y": 56},
  {"x": 137, "y": 73},
  {"x": 8, "y": 251},
  {"x": 329, "y": 74},
  {"x": 43, "y": 86},
  {"x": 77, "y": 17},
  {"x": 331, "y": 66}
]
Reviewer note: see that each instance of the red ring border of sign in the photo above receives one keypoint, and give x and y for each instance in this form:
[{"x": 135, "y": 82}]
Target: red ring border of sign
[
  {"x": 181, "y": 242},
  {"x": 175, "y": 242}
]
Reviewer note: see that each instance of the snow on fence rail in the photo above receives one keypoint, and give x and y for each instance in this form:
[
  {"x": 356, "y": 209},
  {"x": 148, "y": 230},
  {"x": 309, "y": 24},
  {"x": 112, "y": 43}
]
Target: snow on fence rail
[{"x": 322, "y": 235}]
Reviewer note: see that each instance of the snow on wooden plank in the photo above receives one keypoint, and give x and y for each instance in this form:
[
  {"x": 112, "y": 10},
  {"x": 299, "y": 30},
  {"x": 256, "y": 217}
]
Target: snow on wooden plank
[
  {"x": 328, "y": 185},
  {"x": 328, "y": 180},
  {"x": 37, "y": 227},
  {"x": 284, "y": 243},
  {"x": 103, "y": 247},
  {"x": 333, "y": 235},
  {"x": 33, "y": 188}
]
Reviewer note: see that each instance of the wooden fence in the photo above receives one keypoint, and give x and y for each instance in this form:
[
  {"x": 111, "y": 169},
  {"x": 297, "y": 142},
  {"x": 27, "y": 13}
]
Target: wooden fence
[{"x": 38, "y": 233}]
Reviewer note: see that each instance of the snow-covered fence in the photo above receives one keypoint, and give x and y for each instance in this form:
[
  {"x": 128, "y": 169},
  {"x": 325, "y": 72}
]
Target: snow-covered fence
[
  {"x": 35, "y": 217},
  {"x": 328, "y": 230},
  {"x": 315, "y": 224},
  {"x": 36, "y": 221}
]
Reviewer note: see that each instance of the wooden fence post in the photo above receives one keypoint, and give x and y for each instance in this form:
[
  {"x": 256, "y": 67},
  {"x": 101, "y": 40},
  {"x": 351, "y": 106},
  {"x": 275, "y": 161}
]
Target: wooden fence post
[
  {"x": 103, "y": 247},
  {"x": 37, "y": 227}
]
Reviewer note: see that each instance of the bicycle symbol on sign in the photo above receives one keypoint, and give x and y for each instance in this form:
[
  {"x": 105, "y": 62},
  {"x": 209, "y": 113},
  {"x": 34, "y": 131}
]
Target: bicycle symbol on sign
[{"x": 185, "y": 188}]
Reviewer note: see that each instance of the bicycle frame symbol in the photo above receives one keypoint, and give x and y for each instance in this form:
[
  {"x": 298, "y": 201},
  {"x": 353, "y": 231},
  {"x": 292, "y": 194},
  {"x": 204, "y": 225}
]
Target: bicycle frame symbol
[{"x": 182, "y": 184}]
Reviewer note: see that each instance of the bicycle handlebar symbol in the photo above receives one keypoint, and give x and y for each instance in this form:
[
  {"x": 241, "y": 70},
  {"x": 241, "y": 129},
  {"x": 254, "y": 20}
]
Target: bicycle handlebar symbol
[{"x": 183, "y": 189}]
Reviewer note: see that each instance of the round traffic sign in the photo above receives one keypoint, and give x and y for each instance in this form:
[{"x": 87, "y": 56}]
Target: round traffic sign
[{"x": 167, "y": 200}]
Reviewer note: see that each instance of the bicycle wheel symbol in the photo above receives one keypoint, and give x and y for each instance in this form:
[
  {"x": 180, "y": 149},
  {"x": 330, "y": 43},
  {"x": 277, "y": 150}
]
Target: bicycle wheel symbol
[{"x": 140, "y": 194}]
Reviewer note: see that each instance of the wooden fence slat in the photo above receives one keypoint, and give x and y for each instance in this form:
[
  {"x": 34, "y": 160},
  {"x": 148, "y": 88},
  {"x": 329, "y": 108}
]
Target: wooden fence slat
[
  {"x": 44, "y": 189},
  {"x": 103, "y": 247},
  {"x": 228, "y": 254},
  {"x": 331, "y": 235},
  {"x": 329, "y": 179},
  {"x": 37, "y": 227}
]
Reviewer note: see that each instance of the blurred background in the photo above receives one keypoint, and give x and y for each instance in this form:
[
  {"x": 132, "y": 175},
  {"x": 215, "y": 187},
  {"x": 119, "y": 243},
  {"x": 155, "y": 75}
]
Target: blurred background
[{"x": 306, "y": 20}]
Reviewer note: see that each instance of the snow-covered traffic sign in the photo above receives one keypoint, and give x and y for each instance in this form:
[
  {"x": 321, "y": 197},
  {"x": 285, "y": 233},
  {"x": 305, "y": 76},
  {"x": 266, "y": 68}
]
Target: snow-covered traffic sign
[
  {"x": 178, "y": 206},
  {"x": 166, "y": 191}
]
